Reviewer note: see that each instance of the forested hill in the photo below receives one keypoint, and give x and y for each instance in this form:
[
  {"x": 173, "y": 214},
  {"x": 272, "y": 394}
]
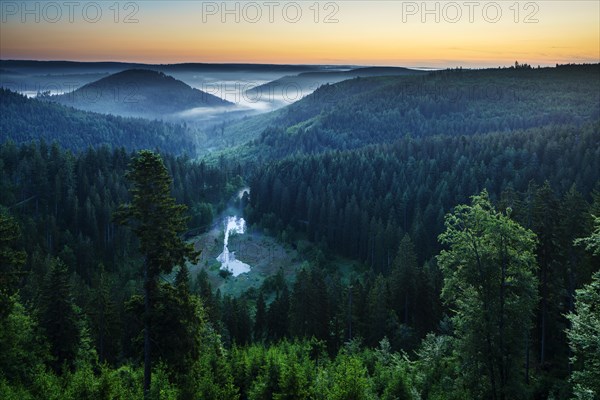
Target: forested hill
[
  {"x": 23, "y": 120},
  {"x": 140, "y": 93},
  {"x": 292, "y": 86},
  {"x": 360, "y": 202},
  {"x": 364, "y": 111},
  {"x": 443, "y": 223}
]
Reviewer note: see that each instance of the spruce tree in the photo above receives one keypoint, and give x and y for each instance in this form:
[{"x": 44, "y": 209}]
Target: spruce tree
[
  {"x": 260, "y": 318},
  {"x": 12, "y": 258},
  {"x": 157, "y": 220},
  {"x": 58, "y": 316}
]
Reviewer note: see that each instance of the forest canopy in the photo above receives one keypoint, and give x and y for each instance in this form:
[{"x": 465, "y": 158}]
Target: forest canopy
[{"x": 447, "y": 243}]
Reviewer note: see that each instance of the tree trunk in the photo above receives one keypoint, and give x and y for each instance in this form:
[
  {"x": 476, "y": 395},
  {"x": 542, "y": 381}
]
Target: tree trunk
[
  {"x": 147, "y": 312},
  {"x": 406, "y": 307},
  {"x": 490, "y": 360},
  {"x": 350, "y": 313},
  {"x": 488, "y": 326},
  {"x": 102, "y": 328},
  {"x": 543, "y": 327},
  {"x": 503, "y": 364},
  {"x": 527, "y": 358},
  {"x": 571, "y": 291}
]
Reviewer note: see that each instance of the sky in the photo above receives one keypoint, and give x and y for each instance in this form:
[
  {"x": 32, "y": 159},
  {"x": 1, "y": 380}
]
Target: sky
[{"x": 350, "y": 32}]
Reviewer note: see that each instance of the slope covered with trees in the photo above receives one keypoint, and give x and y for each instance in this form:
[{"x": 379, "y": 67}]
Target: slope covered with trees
[
  {"x": 66, "y": 201},
  {"x": 23, "y": 120},
  {"x": 454, "y": 264},
  {"x": 139, "y": 93},
  {"x": 364, "y": 111},
  {"x": 358, "y": 201}
]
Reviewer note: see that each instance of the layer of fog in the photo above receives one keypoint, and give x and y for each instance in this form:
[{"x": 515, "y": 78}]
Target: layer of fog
[
  {"x": 252, "y": 90},
  {"x": 234, "y": 86}
]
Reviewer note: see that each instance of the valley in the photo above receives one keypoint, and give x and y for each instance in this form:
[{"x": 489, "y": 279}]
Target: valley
[
  {"x": 338, "y": 200},
  {"x": 367, "y": 219}
]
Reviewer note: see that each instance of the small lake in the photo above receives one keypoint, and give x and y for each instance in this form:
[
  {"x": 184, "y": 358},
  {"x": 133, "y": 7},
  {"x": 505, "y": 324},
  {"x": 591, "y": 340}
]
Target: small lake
[{"x": 233, "y": 225}]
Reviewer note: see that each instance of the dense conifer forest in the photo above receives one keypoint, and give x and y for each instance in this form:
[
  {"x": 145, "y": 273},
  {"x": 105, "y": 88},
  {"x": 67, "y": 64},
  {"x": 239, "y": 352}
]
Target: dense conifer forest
[
  {"x": 450, "y": 239},
  {"x": 24, "y": 120}
]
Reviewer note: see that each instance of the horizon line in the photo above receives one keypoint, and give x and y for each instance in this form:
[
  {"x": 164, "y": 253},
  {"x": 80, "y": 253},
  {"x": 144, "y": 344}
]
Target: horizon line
[{"x": 427, "y": 67}]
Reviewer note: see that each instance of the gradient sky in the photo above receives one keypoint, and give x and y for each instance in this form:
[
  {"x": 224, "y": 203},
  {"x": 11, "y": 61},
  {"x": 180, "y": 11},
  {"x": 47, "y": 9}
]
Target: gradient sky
[{"x": 393, "y": 32}]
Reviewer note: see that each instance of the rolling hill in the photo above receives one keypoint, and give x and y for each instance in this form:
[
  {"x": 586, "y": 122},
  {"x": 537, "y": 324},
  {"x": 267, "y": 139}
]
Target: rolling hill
[
  {"x": 23, "y": 120},
  {"x": 139, "y": 93},
  {"x": 293, "y": 87},
  {"x": 364, "y": 111}
]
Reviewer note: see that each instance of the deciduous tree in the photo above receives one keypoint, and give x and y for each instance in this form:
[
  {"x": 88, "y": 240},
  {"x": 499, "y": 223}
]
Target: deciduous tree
[{"x": 489, "y": 281}]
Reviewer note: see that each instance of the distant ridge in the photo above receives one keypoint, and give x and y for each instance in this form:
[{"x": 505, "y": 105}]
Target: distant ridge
[
  {"x": 307, "y": 82},
  {"x": 383, "y": 109},
  {"x": 34, "y": 66}
]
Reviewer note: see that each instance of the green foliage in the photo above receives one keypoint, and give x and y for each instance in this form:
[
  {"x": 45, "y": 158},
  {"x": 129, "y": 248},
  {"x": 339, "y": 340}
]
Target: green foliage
[
  {"x": 12, "y": 259},
  {"x": 362, "y": 202},
  {"x": 162, "y": 388},
  {"x": 157, "y": 220},
  {"x": 286, "y": 373},
  {"x": 59, "y": 317},
  {"x": 211, "y": 376},
  {"x": 104, "y": 318},
  {"x": 309, "y": 310},
  {"x": 391, "y": 374},
  {"x": 360, "y": 112},
  {"x": 346, "y": 379},
  {"x": 437, "y": 369},
  {"x": 535, "y": 147},
  {"x": 8, "y": 392},
  {"x": 583, "y": 340},
  {"x": 64, "y": 203},
  {"x": 154, "y": 216},
  {"x": 260, "y": 319},
  {"x": 592, "y": 243},
  {"x": 177, "y": 328},
  {"x": 405, "y": 280},
  {"x": 88, "y": 383},
  {"x": 23, "y": 350},
  {"x": 25, "y": 120},
  {"x": 489, "y": 280},
  {"x": 202, "y": 215}
]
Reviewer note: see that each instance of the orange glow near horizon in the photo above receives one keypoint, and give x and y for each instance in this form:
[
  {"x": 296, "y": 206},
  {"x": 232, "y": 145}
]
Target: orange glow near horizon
[{"x": 366, "y": 32}]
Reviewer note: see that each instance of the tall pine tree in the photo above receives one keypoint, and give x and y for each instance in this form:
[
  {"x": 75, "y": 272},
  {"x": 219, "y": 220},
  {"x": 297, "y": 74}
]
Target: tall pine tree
[
  {"x": 157, "y": 221},
  {"x": 58, "y": 316}
]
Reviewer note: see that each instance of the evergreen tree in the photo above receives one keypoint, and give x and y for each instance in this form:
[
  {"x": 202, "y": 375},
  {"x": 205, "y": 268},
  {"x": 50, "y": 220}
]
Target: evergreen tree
[
  {"x": 404, "y": 280},
  {"x": 203, "y": 289},
  {"x": 545, "y": 223},
  {"x": 260, "y": 318},
  {"x": 309, "y": 310},
  {"x": 12, "y": 258},
  {"x": 23, "y": 349},
  {"x": 277, "y": 316},
  {"x": 378, "y": 312},
  {"x": 58, "y": 316},
  {"x": 157, "y": 221},
  {"x": 104, "y": 317}
]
